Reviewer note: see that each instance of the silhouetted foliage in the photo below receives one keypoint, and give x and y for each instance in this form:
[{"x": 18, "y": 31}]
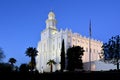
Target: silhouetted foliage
[
  {"x": 12, "y": 61},
  {"x": 5, "y": 67},
  {"x": 62, "y": 56},
  {"x": 111, "y": 51},
  {"x": 1, "y": 54},
  {"x": 24, "y": 68},
  {"x": 51, "y": 62},
  {"x": 32, "y": 52},
  {"x": 16, "y": 68},
  {"x": 74, "y": 58}
]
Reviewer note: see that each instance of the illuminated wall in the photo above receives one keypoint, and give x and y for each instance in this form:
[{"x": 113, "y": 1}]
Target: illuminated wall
[{"x": 49, "y": 47}]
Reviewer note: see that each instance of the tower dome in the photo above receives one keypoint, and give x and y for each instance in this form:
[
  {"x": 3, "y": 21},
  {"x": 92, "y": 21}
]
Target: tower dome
[
  {"x": 51, "y": 21},
  {"x": 51, "y": 15}
]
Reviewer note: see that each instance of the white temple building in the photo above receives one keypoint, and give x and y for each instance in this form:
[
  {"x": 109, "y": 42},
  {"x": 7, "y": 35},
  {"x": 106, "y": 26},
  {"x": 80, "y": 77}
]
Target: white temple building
[{"x": 49, "y": 47}]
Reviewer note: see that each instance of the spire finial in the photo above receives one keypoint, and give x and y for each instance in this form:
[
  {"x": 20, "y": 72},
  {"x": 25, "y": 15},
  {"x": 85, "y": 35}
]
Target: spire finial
[{"x": 51, "y": 10}]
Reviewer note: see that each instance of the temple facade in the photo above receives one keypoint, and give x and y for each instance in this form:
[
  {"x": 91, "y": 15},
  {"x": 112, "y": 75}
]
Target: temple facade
[{"x": 49, "y": 47}]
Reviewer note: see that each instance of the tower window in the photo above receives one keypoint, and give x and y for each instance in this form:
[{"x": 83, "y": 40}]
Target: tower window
[{"x": 94, "y": 50}]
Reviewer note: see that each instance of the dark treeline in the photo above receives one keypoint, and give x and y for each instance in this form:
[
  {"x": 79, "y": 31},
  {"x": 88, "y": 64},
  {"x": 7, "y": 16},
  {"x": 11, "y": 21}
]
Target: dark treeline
[
  {"x": 110, "y": 54},
  {"x": 61, "y": 76}
]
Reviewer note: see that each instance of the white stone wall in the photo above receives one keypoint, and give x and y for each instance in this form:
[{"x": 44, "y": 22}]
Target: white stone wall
[{"x": 49, "y": 47}]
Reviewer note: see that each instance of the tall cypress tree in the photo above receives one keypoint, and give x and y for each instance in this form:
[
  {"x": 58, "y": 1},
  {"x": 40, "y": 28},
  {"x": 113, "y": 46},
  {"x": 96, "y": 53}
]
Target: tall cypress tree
[{"x": 62, "y": 56}]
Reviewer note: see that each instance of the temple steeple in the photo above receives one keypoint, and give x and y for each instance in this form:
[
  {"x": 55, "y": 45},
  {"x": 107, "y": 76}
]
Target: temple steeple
[{"x": 51, "y": 21}]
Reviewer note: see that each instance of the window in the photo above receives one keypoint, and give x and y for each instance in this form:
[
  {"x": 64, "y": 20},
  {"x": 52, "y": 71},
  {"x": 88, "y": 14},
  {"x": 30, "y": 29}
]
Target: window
[
  {"x": 86, "y": 49},
  {"x": 68, "y": 39},
  {"x": 94, "y": 50},
  {"x": 90, "y": 50}
]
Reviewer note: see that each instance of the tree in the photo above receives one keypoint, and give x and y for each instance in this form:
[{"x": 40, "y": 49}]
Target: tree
[
  {"x": 24, "y": 68},
  {"x": 32, "y": 52},
  {"x": 111, "y": 51},
  {"x": 12, "y": 61},
  {"x": 74, "y": 58},
  {"x": 5, "y": 67},
  {"x": 62, "y": 57},
  {"x": 1, "y": 54},
  {"x": 51, "y": 62}
]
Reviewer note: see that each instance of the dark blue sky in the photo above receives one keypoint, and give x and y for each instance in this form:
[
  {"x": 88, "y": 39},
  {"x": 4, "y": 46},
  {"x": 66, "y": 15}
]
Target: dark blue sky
[{"x": 21, "y": 21}]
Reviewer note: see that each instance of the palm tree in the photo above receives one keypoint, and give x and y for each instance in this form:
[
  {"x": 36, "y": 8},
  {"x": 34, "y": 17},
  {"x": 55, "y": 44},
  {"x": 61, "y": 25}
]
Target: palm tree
[
  {"x": 32, "y": 52},
  {"x": 51, "y": 62},
  {"x": 12, "y": 61}
]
